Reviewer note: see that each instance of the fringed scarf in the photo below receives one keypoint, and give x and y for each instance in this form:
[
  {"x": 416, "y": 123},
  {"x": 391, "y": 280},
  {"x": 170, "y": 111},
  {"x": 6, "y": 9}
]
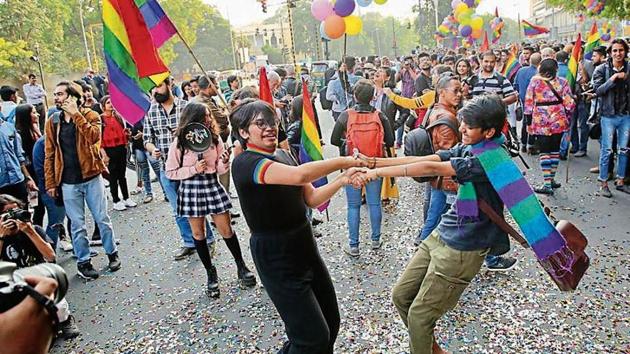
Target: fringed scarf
[{"x": 516, "y": 194}]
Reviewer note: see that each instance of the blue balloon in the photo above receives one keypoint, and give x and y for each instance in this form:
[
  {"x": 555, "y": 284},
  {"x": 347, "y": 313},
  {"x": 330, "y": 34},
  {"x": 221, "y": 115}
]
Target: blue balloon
[
  {"x": 364, "y": 3},
  {"x": 322, "y": 33}
]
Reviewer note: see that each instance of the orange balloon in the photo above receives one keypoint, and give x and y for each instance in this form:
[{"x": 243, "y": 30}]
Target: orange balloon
[{"x": 334, "y": 26}]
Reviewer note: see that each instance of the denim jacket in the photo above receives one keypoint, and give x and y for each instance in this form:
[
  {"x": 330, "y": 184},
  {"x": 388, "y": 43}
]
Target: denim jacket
[
  {"x": 336, "y": 94},
  {"x": 11, "y": 155}
]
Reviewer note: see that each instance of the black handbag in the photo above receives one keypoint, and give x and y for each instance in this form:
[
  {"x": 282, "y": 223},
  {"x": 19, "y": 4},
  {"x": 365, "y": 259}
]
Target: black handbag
[{"x": 594, "y": 123}]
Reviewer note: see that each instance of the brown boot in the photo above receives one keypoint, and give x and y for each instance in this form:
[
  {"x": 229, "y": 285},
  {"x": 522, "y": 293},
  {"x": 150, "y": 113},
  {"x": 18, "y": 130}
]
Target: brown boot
[{"x": 436, "y": 348}]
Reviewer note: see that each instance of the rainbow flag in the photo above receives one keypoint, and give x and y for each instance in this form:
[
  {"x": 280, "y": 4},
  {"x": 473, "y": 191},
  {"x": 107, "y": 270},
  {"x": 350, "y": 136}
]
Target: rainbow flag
[
  {"x": 310, "y": 145},
  {"x": 160, "y": 26},
  {"x": 592, "y": 42},
  {"x": 511, "y": 65},
  {"x": 533, "y": 30},
  {"x": 133, "y": 62},
  {"x": 573, "y": 62},
  {"x": 497, "y": 26}
]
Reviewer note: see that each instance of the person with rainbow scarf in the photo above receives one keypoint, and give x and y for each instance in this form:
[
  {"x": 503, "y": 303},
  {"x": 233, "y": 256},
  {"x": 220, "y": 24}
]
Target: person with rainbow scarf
[{"x": 448, "y": 260}]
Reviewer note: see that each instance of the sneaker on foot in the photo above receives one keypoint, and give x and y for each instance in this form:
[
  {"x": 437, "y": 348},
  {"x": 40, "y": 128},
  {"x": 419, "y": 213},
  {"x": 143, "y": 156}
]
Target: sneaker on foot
[
  {"x": 503, "y": 264},
  {"x": 147, "y": 199},
  {"x": 129, "y": 203},
  {"x": 605, "y": 192},
  {"x": 120, "y": 206},
  {"x": 376, "y": 244},
  {"x": 316, "y": 222},
  {"x": 544, "y": 190},
  {"x": 183, "y": 253},
  {"x": 114, "y": 261},
  {"x": 65, "y": 245},
  {"x": 86, "y": 271},
  {"x": 68, "y": 329},
  {"x": 351, "y": 250},
  {"x": 555, "y": 185},
  {"x": 138, "y": 190},
  {"x": 594, "y": 169}
]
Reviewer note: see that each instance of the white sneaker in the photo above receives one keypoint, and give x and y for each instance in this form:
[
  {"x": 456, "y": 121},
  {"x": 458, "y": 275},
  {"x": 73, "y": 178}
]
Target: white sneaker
[
  {"x": 65, "y": 245},
  {"x": 120, "y": 206},
  {"x": 130, "y": 203}
]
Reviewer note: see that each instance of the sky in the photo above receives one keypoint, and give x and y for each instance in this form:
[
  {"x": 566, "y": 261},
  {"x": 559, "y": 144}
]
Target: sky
[{"x": 244, "y": 12}]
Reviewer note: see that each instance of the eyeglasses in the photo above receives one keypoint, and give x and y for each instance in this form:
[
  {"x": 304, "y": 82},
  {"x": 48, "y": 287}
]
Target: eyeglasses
[{"x": 262, "y": 124}]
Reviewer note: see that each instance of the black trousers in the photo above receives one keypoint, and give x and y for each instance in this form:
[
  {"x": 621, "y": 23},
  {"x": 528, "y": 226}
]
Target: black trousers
[
  {"x": 297, "y": 281},
  {"x": 117, "y": 167}
]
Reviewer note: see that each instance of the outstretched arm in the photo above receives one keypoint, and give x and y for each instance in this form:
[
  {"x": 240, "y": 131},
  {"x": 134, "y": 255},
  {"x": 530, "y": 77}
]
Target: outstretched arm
[
  {"x": 279, "y": 173},
  {"x": 418, "y": 169},
  {"x": 315, "y": 197}
]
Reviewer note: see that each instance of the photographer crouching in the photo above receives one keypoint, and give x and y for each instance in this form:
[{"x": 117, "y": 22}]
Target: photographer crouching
[{"x": 26, "y": 245}]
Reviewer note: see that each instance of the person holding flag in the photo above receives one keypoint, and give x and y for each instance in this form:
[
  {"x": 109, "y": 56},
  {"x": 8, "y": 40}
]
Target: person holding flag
[{"x": 274, "y": 192}]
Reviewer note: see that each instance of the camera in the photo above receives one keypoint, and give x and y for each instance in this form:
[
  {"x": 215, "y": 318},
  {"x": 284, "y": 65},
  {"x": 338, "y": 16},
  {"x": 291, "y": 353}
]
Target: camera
[
  {"x": 12, "y": 284},
  {"x": 17, "y": 214}
]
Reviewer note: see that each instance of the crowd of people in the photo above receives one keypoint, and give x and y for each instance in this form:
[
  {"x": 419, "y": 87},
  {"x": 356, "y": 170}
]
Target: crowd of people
[{"x": 437, "y": 105}]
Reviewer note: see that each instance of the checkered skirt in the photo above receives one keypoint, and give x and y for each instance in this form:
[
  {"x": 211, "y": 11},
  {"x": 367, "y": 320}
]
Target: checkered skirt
[{"x": 202, "y": 195}]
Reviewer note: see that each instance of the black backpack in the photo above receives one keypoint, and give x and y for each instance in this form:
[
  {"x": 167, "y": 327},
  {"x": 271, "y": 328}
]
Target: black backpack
[
  {"x": 418, "y": 141},
  {"x": 326, "y": 104}
]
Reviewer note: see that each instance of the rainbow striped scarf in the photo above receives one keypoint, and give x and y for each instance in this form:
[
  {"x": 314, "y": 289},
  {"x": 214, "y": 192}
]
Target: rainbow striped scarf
[{"x": 516, "y": 194}]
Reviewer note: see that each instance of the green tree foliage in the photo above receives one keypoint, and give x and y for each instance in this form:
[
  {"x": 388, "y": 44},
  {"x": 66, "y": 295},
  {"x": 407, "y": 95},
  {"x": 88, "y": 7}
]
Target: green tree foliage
[
  {"x": 619, "y": 9},
  {"x": 274, "y": 54}
]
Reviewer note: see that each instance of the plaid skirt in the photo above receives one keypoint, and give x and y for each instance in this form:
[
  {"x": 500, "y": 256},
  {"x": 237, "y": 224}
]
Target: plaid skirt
[{"x": 202, "y": 195}]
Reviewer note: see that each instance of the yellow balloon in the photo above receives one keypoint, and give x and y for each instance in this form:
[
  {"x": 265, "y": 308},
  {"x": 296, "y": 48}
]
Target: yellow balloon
[
  {"x": 476, "y": 23},
  {"x": 380, "y": 2},
  {"x": 461, "y": 7},
  {"x": 354, "y": 25}
]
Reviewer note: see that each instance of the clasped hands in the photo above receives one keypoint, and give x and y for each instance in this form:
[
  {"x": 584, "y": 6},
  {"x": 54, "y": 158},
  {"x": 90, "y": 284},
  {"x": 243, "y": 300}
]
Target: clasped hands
[{"x": 363, "y": 171}]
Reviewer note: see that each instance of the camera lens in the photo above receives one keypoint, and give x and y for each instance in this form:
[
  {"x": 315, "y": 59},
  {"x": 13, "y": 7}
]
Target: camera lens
[{"x": 48, "y": 270}]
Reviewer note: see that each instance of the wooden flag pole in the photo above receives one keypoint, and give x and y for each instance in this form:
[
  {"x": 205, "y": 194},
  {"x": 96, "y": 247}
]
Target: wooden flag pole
[{"x": 217, "y": 89}]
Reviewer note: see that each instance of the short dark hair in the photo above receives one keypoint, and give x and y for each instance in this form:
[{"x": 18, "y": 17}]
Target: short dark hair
[
  {"x": 231, "y": 79},
  {"x": 442, "y": 68},
  {"x": 618, "y": 41},
  {"x": 548, "y": 68},
  {"x": 281, "y": 72},
  {"x": 31, "y": 76},
  {"x": 194, "y": 79},
  {"x": 6, "y": 92},
  {"x": 203, "y": 81},
  {"x": 71, "y": 90},
  {"x": 6, "y": 199},
  {"x": 601, "y": 50},
  {"x": 448, "y": 58},
  {"x": 423, "y": 55},
  {"x": 364, "y": 91},
  {"x": 434, "y": 56},
  {"x": 485, "y": 112},
  {"x": 350, "y": 62},
  {"x": 488, "y": 53},
  {"x": 562, "y": 56},
  {"x": 530, "y": 48},
  {"x": 250, "y": 108}
]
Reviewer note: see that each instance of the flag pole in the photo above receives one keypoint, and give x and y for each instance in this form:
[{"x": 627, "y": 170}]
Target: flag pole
[
  {"x": 217, "y": 89},
  {"x": 520, "y": 32}
]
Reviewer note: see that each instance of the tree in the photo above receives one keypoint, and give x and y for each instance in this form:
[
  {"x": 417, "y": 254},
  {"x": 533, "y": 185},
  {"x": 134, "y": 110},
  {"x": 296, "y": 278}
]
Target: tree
[
  {"x": 618, "y": 9},
  {"x": 274, "y": 54}
]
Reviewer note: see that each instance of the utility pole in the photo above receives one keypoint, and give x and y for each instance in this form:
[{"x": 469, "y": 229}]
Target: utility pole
[
  {"x": 231, "y": 39},
  {"x": 378, "y": 43},
  {"x": 38, "y": 59},
  {"x": 394, "y": 46},
  {"x": 291, "y": 5},
  {"x": 94, "y": 48},
  {"x": 87, "y": 49},
  {"x": 318, "y": 45}
]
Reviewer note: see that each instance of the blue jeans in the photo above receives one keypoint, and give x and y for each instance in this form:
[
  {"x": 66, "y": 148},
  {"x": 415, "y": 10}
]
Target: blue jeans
[
  {"x": 170, "y": 189},
  {"x": 399, "y": 135},
  {"x": 437, "y": 207},
  {"x": 56, "y": 214},
  {"x": 143, "y": 160},
  {"x": 92, "y": 193},
  {"x": 373, "y": 198},
  {"x": 579, "y": 128},
  {"x": 610, "y": 125}
]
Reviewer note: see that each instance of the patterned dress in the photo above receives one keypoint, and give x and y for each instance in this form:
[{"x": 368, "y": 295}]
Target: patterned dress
[{"x": 550, "y": 114}]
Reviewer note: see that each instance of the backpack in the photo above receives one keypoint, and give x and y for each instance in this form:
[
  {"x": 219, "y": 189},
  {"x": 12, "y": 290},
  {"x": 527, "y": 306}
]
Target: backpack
[
  {"x": 364, "y": 131},
  {"x": 418, "y": 142},
  {"x": 326, "y": 104}
]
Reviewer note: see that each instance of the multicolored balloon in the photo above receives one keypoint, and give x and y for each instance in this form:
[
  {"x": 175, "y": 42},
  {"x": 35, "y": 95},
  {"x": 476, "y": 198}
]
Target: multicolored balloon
[{"x": 594, "y": 7}]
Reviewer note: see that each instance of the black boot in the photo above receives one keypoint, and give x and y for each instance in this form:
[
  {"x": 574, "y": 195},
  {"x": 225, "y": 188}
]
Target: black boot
[
  {"x": 213, "y": 283},
  {"x": 246, "y": 277}
]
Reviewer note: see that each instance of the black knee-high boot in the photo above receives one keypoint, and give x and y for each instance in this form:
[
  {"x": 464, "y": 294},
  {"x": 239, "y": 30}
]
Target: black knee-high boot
[
  {"x": 213, "y": 279},
  {"x": 246, "y": 277}
]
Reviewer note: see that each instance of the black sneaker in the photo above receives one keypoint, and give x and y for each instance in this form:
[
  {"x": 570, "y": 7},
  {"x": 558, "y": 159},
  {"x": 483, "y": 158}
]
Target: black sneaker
[
  {"x": 114, "y": 261},
  {"x": 544, "y": 190},
  {"x": 623, "y": 188},
  {"x": 316, "y": 222},
  {"x": 555, "y": 185},
  {"x": 605, "y": 192},
  {"x": 183, "y": 253},
  {"x": 235, "y": 215},
  {"x": 86, "y": 271},
  {"x": 68, "y": 329},
  {"x": 503, "y": 264}
]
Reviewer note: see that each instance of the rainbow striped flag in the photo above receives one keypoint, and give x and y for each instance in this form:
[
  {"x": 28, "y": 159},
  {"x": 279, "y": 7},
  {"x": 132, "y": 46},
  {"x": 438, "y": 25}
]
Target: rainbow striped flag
[
  {"x": 573, "y": 62},
  {"x": 131, "y": 30},
  {"x": 592, "y": 42},
  {"x": 511, "y": 65},
  {"x": 310, "y": 145},
  {"x": 533, "y": 30}
]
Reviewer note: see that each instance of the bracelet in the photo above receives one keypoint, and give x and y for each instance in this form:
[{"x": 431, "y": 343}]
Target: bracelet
[{"x": 373, "y": 163}]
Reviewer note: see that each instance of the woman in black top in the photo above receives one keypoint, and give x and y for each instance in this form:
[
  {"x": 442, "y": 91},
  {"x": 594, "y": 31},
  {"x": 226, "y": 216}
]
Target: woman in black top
[
  {"x": 27, "y": 125},
  {"x": 275, "y": 193}
]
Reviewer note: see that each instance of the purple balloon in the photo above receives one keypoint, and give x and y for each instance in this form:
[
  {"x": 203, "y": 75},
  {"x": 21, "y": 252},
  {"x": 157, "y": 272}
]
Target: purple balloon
[
  {"x": 344, "y": 8},
  {"x": 465, "y": 31},
  {"x": 470, "y": 3}
]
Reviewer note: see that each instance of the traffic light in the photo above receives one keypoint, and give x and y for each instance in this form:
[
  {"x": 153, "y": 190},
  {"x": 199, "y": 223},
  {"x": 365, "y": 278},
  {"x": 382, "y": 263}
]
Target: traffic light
[
  {"x": 291, "y": 4},
  {"x": 263, "y": 4}
]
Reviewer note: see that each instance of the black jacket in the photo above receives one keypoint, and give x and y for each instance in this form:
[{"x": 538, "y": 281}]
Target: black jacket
[
  {"x": 604, "y": 87},
  {"x": 392, "y": 110}
]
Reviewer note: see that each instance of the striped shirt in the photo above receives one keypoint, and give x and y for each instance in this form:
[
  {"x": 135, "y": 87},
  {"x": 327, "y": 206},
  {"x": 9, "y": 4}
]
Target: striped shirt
[
  {"x": 159, "y": 126},
  {"x": 496, "y": 84}
]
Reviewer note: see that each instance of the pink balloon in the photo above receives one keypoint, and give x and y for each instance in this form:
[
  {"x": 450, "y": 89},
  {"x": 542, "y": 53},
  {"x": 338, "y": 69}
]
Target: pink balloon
[{"x": 321, "y": 9}]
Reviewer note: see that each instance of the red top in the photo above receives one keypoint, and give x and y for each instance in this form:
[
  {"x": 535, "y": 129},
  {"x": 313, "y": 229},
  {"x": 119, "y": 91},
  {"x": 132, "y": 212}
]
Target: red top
[{"x": 113, "y": 132}]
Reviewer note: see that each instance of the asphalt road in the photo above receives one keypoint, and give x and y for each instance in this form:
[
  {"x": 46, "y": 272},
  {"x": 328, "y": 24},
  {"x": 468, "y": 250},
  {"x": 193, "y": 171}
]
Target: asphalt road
[{"x": 157, "y": 305}]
